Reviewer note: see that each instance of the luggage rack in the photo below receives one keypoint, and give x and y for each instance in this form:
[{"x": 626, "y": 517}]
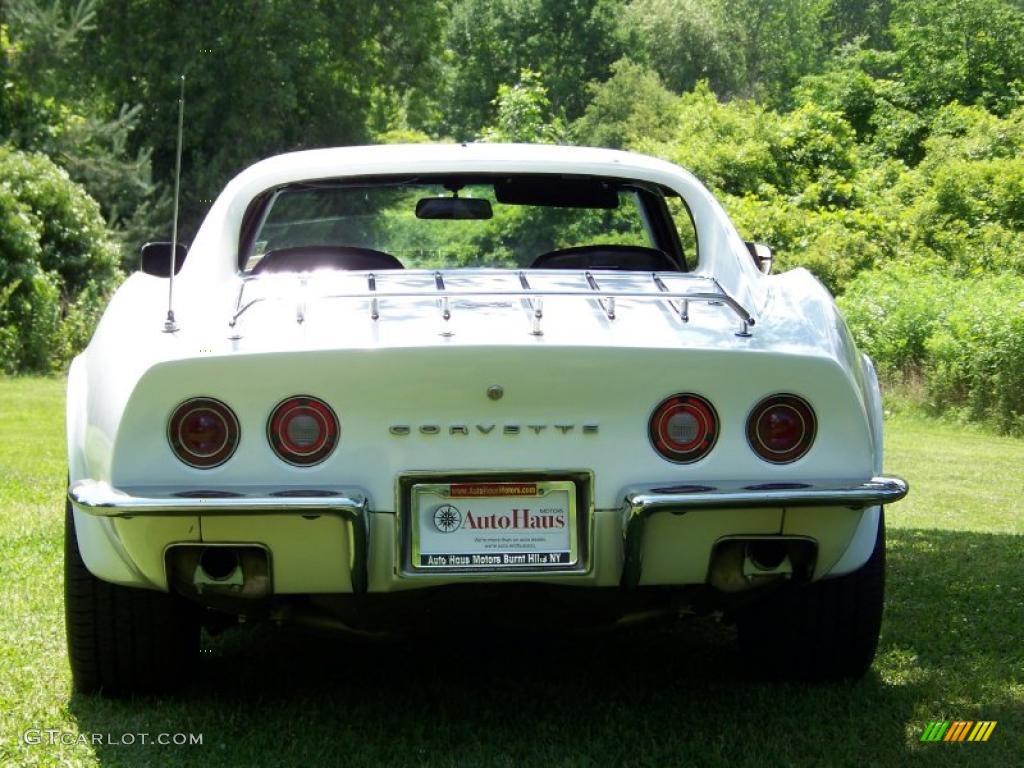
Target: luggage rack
[{"x": 518, "y": 287}]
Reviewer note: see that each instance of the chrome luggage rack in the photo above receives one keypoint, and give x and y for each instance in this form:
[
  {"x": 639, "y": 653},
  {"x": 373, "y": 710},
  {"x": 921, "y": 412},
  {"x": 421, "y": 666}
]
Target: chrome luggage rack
[{"x": 518, "y": 287}]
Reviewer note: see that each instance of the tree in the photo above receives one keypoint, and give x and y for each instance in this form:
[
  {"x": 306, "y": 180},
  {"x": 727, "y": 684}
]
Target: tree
[
  {"x": 524, "y": 114},
  {"x": 489, "y": 42},
  {"x": 47, "y": 108},
  {"x": 868, "y": 20},
  {"x": 263, "y": 77},
  {"x": 781, "y": 40},
  {"x": 686, "y": 41},
  {"x": 631, "y": 105},
  {"x": 971, "y": 51}
]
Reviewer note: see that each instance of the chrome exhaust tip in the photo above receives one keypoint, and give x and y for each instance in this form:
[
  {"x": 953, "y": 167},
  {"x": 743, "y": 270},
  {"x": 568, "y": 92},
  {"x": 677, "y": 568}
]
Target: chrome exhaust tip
[
  {"x": 743, "y": 563},
  {"x": 238, "y": 570}
]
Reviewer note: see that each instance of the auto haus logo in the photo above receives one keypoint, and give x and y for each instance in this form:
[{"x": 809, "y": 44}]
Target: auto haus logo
[{"x": 448, "y": 519}]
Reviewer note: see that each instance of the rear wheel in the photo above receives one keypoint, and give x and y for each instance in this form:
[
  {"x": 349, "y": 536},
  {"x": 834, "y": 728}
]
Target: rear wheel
[
  {"x": 123, "y": 640},
  {"x": 827, "y": 630}
]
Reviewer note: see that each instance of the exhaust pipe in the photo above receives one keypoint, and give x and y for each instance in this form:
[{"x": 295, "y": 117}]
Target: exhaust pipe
[
  {"x": 236, "y": 570},
  {"x": 766, "y": 554},
  {"x": 741, "y": 564},
  {"x": 219, "y": 565}
]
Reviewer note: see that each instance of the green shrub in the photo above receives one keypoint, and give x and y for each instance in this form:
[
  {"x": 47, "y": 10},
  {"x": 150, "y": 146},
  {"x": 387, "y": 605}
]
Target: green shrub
[
  {"x": 976, "y": 358},
  {"x": 894, "y": 311},
  {"x": 965, "y": 337},
  {"x": 835, "y": 244},
  {"x": 57, "y": 262}
]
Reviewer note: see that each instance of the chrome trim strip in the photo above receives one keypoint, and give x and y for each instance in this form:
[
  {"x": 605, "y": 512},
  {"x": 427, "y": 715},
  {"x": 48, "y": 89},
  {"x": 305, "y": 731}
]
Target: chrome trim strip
[
  {"x": 351, "y": 505},
  {"x": 641, "y": 503}
]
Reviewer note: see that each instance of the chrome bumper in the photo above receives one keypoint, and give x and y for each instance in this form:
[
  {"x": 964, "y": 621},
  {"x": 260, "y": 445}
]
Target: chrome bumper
[
  {"x": 351, "y": 505},
  {"x": 102, "y": 500},
  {"x": 641, "y": 503}
]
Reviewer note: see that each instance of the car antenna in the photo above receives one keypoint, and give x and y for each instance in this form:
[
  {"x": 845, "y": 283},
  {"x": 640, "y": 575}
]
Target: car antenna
[{"x": 170, "y": 326}]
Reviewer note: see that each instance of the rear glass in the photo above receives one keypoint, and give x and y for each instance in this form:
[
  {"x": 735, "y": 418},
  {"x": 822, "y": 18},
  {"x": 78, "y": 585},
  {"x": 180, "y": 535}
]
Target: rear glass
[{"x": 506, "y": 223}]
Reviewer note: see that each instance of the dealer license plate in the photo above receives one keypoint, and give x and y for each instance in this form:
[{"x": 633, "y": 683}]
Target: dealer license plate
[{"x": 494, "y": 526}]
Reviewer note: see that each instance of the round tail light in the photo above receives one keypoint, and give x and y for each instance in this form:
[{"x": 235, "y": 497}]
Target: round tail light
[
  {"x": 303, "y": 430},
  {"x": 203, "y": 432},
  {"x": 683, "y": 428},
  {"x": 781, "y": 428}
]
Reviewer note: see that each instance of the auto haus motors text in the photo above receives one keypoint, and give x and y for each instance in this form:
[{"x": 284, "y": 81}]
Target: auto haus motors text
[{"x": 515, "y": 520}]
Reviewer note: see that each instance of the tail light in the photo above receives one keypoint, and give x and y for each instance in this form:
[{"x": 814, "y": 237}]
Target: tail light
[
  {"x": 203, "y": 432},
  {"x": 303, "y": 430},
  {"x": 684, "y": 428},
  {"x": 781, "y": 428}
]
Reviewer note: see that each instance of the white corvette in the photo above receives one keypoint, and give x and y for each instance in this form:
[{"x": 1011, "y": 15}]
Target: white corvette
[{"x": 407, "y": 387}]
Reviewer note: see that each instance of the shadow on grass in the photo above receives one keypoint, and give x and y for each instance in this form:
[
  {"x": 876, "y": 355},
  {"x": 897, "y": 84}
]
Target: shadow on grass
[{"x": 652, "y": 695}]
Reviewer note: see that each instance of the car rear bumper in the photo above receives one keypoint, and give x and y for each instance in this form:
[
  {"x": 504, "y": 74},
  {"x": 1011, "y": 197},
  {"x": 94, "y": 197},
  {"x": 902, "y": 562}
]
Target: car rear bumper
[
  {"x": 350, "y": 507},
  {"x": 641, "y": 503},
  {"x": 346, "y": 505}
]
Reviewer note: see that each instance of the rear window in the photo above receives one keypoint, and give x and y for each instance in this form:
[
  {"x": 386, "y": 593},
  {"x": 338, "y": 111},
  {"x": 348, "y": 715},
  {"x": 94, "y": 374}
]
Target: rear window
[{"x": 507, "y": 222}]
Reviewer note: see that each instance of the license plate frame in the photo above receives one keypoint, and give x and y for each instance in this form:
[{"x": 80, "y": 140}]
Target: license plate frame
[{"x": 436, "y": 542}]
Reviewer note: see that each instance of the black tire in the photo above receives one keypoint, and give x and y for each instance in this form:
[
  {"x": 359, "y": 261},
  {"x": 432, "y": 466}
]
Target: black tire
[
  {"x": 827, "y": 630},
  {"x": 123, "y": 640}
]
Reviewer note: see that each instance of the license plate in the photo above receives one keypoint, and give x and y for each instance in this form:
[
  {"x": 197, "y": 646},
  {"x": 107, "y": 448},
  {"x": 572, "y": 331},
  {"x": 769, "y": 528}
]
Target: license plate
[{"x": 494, "y": 526}]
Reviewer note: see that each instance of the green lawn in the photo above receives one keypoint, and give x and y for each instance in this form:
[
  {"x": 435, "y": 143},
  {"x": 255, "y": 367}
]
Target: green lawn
[{"x": 952, "y": 648}]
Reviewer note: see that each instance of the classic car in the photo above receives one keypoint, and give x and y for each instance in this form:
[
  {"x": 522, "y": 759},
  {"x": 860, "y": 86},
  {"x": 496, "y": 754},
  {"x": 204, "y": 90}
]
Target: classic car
[{"x": 396, "y": 389}]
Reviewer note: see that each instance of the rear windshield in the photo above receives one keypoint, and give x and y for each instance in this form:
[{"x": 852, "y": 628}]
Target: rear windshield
[{"x": 508, "y": 222}]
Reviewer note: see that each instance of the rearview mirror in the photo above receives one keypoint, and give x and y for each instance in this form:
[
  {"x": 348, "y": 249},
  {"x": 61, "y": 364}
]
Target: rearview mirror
[
  {"x": 156, "y": 258},
  {"x": 762, "y": 256},
  {"x": 453, "y": 208}
]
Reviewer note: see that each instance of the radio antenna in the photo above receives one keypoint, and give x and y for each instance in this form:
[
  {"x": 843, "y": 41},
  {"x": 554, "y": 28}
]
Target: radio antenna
[{"x": 170, "y": 326}]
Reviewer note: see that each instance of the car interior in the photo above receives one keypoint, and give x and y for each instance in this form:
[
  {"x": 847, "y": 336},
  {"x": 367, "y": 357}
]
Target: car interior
[{"x": 570, "y": 222}]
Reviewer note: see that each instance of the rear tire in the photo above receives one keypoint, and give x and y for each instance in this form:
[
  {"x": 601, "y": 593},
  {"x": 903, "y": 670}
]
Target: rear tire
[
  {"x": 827, "y": 630},
  {"x": 123, "y": 640}
]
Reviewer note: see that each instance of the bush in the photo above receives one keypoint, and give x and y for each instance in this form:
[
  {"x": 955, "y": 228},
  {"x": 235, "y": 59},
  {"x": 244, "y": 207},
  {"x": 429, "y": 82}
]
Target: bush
[
  {"x": 57, "y": 262},
  {"x": 964, "y": 337},
  {"x": 976, "y": 358},
  {"x": 894, "y": 311}
]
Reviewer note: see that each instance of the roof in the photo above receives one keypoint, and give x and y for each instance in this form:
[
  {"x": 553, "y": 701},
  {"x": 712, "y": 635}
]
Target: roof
[{"x": 447, "y": 158}]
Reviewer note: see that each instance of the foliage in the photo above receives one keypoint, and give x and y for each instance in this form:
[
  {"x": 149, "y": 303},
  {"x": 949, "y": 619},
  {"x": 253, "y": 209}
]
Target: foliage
[
  {"x": 684, "y": 42},
  {"x": 970, "y": 51},
  {"x": 976, "y": 359},
  {"x": 488, "y": 43},
  {"x": 48, "y": 109},
  {"x": 262, "y": 78},
  {"x": 742, "y": 47},
  {"x": 630, "y": 106},
  {"x": 877, "y": 142},
  {"x": 524, "y": 114},
  {"x": 964, "y": 337},
  {"x": 849, "y": 20},
  {"x": 57, "y": 262}
]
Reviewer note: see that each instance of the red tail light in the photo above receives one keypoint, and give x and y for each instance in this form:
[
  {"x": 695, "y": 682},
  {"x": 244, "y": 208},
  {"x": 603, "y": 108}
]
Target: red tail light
[
  {"x": 303, "y": 430},
  {"x": 683, "y": 428},
  {"x": 203, "y": 432},
  {"x": 781, "y": 428}
]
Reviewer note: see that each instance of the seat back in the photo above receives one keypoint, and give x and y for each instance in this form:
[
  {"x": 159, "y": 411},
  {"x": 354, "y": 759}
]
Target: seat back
[
  {"x": 635, "y": 258},
  {"x": 306, "y": 258}
]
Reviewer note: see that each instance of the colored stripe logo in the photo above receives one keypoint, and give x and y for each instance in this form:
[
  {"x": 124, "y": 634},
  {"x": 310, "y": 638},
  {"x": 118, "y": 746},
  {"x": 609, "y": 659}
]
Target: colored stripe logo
[{"x": 959, "y": 730}]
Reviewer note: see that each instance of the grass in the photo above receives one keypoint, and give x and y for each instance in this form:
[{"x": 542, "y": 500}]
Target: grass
[{"x": 952, "y": 647}]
